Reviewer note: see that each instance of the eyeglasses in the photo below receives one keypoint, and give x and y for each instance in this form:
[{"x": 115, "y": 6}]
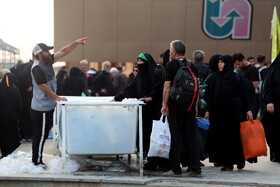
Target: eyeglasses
[{"x": 135, "y": 70}]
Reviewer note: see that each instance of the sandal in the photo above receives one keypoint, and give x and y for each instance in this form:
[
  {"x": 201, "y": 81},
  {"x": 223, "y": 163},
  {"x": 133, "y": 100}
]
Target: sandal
[{"x": 170, "y": 173}]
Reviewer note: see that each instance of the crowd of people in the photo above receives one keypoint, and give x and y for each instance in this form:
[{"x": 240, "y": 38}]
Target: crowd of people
[{"x": 234, "y": 89}]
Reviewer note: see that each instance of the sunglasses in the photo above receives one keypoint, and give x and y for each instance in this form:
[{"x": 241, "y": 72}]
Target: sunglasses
[{"x": 135, "y": 70}]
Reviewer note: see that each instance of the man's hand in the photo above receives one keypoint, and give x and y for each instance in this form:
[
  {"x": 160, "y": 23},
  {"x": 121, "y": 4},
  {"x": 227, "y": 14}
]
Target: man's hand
[
  {"x": 61, "y": 98},
  {"x": 164, "y": 110},
  {"x": 69, "y": 48},
  {"x": 270, "y": 108},
  {"x": 29, "y": 89},
  {"x": 82, "y": 40},
  {"x": 147, "y": 99},
  {"x": 103, "y": 90}
]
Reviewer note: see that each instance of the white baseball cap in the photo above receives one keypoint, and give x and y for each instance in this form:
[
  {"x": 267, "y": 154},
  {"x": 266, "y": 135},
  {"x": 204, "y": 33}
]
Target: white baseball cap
[{"x": 41, "y": 47}]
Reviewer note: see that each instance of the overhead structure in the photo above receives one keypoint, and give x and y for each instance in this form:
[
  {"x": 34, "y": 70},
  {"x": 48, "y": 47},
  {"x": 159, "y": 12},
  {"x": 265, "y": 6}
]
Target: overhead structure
[{"x": 9, "y": 55}]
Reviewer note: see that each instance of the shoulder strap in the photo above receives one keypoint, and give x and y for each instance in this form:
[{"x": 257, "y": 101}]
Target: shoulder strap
[
  {"x": 260, "y": 69},
  {"x": 188, "y": 63},
  {"x": 182, "y": 62},
  {"x": 207, "y": 78},
  {"x": 185, "y": 62}
]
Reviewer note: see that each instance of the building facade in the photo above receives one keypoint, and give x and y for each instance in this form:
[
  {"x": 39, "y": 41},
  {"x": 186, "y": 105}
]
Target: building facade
[{"x": 119, "y": 30}]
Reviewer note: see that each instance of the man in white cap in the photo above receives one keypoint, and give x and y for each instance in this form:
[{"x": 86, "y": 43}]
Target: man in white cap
[
  {"x": 119, "y": 80},
  {"x": 44, "y": 94}
]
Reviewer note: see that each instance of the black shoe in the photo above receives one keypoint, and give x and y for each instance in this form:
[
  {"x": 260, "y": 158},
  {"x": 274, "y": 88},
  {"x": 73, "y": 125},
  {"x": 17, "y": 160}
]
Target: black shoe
[
  {"x": 275, "y": 160},
  {"x": 194, "y": 174},
  {"x": 162, "y": 168},
  {"x": 148, "y": 166},
  {"x": 241, "y": 165},
  {"x": 42, "y": 165}
]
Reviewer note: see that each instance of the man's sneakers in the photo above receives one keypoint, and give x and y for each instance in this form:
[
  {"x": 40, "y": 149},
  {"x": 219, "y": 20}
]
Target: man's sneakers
[{"x": 42, "y": 165}]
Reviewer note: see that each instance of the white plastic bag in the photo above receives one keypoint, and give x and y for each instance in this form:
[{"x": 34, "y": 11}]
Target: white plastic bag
[{"x": 160, "y": 139}]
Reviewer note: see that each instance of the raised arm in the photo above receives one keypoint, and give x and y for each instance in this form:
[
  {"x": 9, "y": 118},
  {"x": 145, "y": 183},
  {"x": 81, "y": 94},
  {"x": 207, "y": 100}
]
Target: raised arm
[{"x": 69, "y": 48}]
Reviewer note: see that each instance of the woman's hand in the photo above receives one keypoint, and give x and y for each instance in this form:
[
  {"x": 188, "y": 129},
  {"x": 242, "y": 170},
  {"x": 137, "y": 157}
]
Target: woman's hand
[
  {"x": 270, "y": 108},
  {"x": 146, "y": 99},
  {"x": 206, "y": 116},
  {"x": 249, "y": 115}
]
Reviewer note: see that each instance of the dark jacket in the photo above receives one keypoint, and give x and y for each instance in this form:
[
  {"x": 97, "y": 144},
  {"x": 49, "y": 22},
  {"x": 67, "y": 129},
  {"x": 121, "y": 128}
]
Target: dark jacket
[
  {"x": 103, "y": 81},
  {"x": 73, "y": 85}
]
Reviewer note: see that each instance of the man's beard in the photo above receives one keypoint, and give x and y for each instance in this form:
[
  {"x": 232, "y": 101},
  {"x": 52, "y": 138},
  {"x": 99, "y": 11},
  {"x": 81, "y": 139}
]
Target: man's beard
[{"x": 47, "y": 59}]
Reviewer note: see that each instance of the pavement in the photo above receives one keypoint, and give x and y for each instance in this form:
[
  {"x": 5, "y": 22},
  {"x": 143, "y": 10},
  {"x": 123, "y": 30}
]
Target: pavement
[{"x": 263, "y": 173}]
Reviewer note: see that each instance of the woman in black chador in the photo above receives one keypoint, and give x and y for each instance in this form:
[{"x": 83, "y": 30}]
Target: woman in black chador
[
  {"x": 73, "y": 85},
  {"x": 270, "y": 110},
  {"x": 226, "y": 94},
  {"x": 61, "y": 75},
  {"x": 146, "y": 86},
  {"x": 10, "y": 107}
]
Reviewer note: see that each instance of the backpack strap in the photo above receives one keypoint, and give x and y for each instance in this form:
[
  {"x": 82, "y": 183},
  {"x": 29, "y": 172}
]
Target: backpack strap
[
  {"x": 185, "y": 62},
  {"x": 258, "y": 89},
  {"x": 195, "y": 87},
  {"x": 204, "y": 82},
  {"x": 188, "y": 63}
]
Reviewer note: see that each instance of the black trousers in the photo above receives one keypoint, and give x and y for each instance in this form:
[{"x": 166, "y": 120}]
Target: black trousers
[
  {"x": 25, "y": 124},
  {"x": 184, "y": 136},
  {"x": 42, "y": 123},
  {"x": 272, "y": 128}
]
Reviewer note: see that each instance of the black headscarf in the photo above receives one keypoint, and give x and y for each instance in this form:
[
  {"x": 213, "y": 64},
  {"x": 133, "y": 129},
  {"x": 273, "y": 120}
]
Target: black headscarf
[
  {"x": 166, "y": 57},
  {"x": 60, "y": 75},
  {"x": 213, "y": 63},
  {"x": 73, "y": 85},
  {"x": 59, "y": 79},
  {"x": 147, "y": 72},
  {"x": 224, "y": 80},
  {"x": 10, "y": 98}
]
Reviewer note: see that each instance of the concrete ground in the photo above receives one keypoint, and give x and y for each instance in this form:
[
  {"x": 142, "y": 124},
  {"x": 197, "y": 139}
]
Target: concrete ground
[{"x": 263, "y": 173}]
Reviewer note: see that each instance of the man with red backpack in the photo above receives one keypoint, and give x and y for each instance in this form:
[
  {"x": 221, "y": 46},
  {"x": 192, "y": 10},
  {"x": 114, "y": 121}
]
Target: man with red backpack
[{"x": 181, "y": 110}]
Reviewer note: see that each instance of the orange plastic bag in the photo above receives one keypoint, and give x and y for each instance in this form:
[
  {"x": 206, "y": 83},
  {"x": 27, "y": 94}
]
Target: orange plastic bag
[{"x": 253, "y": 139}]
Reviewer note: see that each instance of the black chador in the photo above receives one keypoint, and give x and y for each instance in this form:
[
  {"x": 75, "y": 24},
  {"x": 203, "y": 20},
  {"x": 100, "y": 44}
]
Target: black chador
[
  {"x": 270, "y": 120},
  {"x": 10, "y": 107},
  {"x": 73, "y": 85},
  {"x": 226, "y": 95}
]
